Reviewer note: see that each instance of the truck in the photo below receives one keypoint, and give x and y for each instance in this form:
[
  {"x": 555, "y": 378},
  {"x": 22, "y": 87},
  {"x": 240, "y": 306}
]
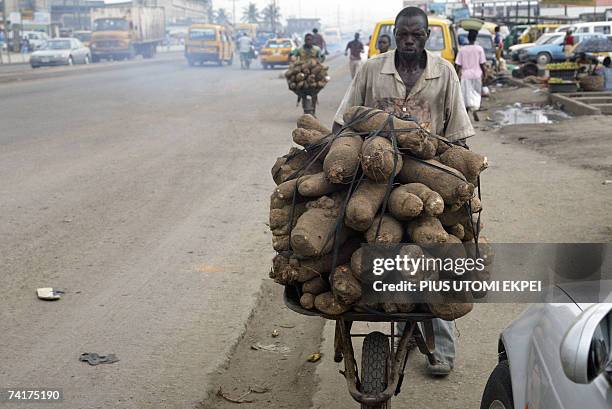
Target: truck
[{"x": 125, "y": 31}]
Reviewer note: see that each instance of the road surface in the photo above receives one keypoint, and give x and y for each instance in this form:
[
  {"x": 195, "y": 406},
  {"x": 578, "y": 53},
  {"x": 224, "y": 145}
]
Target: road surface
[{"x": 143, "y": 194}]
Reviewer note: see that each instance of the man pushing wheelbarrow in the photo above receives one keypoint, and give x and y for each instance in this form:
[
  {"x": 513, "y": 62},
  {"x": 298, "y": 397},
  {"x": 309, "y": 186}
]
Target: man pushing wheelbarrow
[{"x": 307, "y": 76}]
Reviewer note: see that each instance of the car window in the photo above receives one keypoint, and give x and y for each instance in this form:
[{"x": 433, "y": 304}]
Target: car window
[
  {"x": 583, "y": 30},
  {"x": 207, "y": 34},
  {"x": 602, "y": 29},
  {"x": 278, "y": 44}
]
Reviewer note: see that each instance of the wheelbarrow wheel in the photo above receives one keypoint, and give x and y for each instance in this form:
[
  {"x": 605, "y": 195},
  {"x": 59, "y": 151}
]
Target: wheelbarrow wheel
[{"x": 375, "y": 355}]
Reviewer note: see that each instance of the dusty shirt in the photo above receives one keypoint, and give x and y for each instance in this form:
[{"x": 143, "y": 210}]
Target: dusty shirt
[
  {"x": 244, "y": 44},
  {"x": 435, "y": 100},
  {"x": 469, "y": 59}
]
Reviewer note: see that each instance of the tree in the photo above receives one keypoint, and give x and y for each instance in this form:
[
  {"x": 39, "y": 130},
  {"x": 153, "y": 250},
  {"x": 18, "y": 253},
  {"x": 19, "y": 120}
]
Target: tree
[
  {"x": 221, "y": 17},
  {"x": 250, "y": 14},
  {"x": 271, "y": 17}
]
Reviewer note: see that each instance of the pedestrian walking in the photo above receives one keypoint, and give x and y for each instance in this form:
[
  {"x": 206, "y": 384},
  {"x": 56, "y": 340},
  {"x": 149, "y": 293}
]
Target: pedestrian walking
[
  {"x": 607, "y": 74},
  {"x": 356, "y": 49},
  {"x": 470, "y": 64},
  {"x": 245, "y": 45},
  {"x": 25, "y": 45},
  {"x": 412, "y": 81},
  {"x": 319, "y": 40},
  {"x": 499, "y": 48},
  {"x": 384, "y": 43}
]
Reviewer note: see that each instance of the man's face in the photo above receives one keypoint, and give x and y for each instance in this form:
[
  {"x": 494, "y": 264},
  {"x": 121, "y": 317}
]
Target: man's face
[
  {"x": 308, "y": 42},
  {"x": 411, "y": 35},
  {"x": 383, "y": 44}
]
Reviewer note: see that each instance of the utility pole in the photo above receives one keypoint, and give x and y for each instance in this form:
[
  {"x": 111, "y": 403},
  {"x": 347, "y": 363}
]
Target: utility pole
[
  {"x": 6, "y": 38},
  {"x": 234, "y": 12}
]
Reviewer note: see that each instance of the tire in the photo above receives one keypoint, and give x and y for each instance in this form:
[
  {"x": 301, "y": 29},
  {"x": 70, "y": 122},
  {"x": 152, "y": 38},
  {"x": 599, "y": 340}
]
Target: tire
[
  {"x": 498, "y": 392},
  {"x": 375, "y": 356},
  {"x": 543, "y": 58}
]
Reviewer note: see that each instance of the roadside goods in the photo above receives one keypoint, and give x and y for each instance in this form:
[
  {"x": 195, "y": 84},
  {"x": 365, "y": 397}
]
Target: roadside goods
[{"x": 379, "y": 180}]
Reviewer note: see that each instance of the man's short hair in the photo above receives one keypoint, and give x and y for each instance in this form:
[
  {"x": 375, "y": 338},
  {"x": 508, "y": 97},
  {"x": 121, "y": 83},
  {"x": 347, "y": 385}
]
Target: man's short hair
[
  {"x": 472, "y": 36},
  {"x": 497, "y": 29},
  {"x": 412, "y": 12},
  {"x": 308, "y": 35},
  {"x": 315, "y": 30},
  {"x": 606, "y": 62},
  {"x": 387, "y": 36}
]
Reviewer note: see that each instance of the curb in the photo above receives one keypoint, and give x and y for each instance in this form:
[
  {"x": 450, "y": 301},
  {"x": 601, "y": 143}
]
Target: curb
[{"x": 103, "y": 67}]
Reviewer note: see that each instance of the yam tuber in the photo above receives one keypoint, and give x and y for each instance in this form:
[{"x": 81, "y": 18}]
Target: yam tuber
[
  {"x": 316, "y": 286},
  {"x": 469, "y": 163},
  {"x": 345, "y": 287},
  {"x": 448, "y": 182},
  {"x": 296, "y": 163},
  {"x": 327, "y": 304},
  {"x": 433, "y": 204},
  {"x": 307, "y": 301},
  {"x": 364, "y": 204},
  {"x": 364, "y": 119},
  {"x": 313, "y": 234},
  {"x": 342, "y": 160},
  {"x": 311, "y": 123},
  {"x": 390, "y": 231},
  {"x": 323, "y": 264},
  {"x": 427, "y": 231},
  {"x": 379, "y": 161},
  {"x": 316, "y": 185},
  {"x": 307, "y": 137},
  {"x": 403, "y": 204}
]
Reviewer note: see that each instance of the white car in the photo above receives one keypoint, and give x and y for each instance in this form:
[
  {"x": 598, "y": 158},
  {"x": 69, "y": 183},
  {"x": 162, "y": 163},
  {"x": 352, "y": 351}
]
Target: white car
[
  {"x": 61, "y": 51},
  {"x": 556, "y": 355}
]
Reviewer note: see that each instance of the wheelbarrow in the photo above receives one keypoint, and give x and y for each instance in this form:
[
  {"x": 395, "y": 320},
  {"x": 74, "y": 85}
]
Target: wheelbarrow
[
  {"x": 384, "y": 356},
  {"x": 309, "y": 100}
]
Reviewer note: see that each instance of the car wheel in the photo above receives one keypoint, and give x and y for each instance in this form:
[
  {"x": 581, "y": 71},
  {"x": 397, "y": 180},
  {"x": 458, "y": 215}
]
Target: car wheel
[
  {"x": 498, "y": 392},
  {"x": 544, "y": 58},
  {"x": 70, "y": 61},
  {"x": 87, "y": 60}
]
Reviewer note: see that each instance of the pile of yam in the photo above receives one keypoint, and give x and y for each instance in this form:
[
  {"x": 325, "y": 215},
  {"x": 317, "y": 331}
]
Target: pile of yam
[
  {"x": 381, "y": 180},
  {"x": 307, "y": 76}
]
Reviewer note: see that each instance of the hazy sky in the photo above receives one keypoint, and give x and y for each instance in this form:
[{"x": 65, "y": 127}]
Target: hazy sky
[{"x": 353, "y": 13}]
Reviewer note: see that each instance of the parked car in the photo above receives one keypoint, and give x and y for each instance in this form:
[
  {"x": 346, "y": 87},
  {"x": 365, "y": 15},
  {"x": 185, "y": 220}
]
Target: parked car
[
  {"x": 546, "y": 53},
  {"x": 601, "y": 27},
  {"x": 276, "y": 52},
  {"x": 61, "y": 51},
  {"x": 544, "y": 39},
  {"x": 484, "y": 39},
  {"x": 556, "y": 355}
]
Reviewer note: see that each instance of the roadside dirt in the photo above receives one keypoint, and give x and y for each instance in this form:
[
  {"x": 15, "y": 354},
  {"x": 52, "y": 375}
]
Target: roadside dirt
[
  {"x": 582, "y": 141},
  {"x": 275, "y": 379}
]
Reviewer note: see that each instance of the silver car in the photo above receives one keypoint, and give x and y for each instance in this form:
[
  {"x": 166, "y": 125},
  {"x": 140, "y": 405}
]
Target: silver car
[
  {"x": 556, "y": 355},
  {"x": 61, "y": 51}
]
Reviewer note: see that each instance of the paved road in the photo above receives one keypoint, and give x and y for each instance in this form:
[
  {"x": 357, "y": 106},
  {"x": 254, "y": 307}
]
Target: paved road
[{"x": 143, "y": 194}]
